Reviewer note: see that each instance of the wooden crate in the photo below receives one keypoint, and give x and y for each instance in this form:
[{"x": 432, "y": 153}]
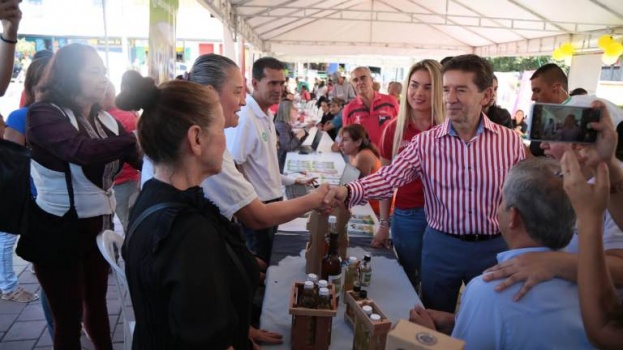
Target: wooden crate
[
  {"x": 351, "y": 304},
  {"x": 375, "y": 332},
  {"x": 311, "y": 328}
]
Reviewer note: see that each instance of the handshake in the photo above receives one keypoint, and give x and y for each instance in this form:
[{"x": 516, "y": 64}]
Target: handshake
[{"x": 327, "y": 197}]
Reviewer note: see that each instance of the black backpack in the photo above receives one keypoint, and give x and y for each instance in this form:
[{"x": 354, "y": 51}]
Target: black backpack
[{"x": 15, "y": 192}]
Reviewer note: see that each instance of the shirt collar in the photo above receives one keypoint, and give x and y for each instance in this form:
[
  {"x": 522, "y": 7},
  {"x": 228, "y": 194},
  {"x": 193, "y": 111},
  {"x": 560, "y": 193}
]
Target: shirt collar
[
  {"x": 255, "y": 107},
  {"x": 509, "y": 254},
  {"x": 485, "y": 123},
  {"x": 376, "y": 97}
]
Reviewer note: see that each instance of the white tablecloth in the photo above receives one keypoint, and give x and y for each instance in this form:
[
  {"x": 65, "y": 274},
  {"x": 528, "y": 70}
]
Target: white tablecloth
[{"x": 390, "y": 289}]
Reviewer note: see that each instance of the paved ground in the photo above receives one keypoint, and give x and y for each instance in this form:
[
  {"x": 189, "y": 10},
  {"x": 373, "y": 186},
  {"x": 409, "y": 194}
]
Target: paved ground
[{"x": 23, "y": 326}]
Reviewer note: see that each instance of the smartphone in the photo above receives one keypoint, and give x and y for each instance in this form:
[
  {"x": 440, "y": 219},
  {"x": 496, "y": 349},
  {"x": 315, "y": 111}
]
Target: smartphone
[{"x": 562, "y": 123}]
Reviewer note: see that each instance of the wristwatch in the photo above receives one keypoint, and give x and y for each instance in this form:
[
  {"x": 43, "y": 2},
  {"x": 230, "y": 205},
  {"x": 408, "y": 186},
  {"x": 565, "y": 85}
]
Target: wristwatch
[{"x": 385, "y": 223}]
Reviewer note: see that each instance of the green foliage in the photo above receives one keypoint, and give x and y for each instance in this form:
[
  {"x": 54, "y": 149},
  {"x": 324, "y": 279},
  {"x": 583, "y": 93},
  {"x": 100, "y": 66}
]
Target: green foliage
[{"x": 520, "y": 64}]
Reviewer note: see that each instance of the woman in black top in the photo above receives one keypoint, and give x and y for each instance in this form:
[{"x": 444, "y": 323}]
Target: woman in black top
[{"x": 190, "y": 275}]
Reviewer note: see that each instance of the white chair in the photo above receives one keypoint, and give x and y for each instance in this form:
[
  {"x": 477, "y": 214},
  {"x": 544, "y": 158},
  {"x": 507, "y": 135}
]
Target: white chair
[{"x": 106, "y": 242}]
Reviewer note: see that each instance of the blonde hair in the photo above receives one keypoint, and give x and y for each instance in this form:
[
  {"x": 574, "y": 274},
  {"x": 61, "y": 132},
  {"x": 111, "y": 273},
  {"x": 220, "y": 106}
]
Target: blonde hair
[{"x": 437, "y": 110}]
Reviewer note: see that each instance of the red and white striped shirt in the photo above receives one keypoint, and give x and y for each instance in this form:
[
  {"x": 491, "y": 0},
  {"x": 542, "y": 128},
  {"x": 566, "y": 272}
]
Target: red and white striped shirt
[{"x": 462, "y": 181}]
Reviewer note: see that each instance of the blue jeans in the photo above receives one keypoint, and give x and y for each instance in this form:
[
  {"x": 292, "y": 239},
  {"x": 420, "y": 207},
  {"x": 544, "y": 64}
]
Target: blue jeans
[
  {"x": 408, "y": 226},
  {"x": 260, "y": 242},
  {"x": 8, "y": 278},
  {"x": 447, "y": 262},
  {"x": 125, "y": 195}
]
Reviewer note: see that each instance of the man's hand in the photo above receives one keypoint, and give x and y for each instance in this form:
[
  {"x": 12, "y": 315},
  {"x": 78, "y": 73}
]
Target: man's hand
[
  {"x": 419, "y": 315},
  {"x": 325, "y": 196},
  {"x": 530, "y": 268},
  {"x": 306, "y": 181},
  {"x": 438, "y": 320},
  {"x": 381, "y": 238},
  {"x": 588, "y": 200},
  {"x": 10, "y": 15}
]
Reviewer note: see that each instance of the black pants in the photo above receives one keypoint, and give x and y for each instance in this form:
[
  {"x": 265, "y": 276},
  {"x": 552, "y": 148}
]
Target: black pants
[{"x": 260, "y": 242}]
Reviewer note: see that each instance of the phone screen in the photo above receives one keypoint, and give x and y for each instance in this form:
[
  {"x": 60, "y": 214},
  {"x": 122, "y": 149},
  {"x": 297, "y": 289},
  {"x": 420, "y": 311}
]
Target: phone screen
[{"x": 562, "y": 123}]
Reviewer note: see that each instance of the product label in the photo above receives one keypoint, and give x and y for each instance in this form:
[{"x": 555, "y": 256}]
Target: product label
[
  {"x": 337, "y": 282},
  {"x": 367, "y": 277}
]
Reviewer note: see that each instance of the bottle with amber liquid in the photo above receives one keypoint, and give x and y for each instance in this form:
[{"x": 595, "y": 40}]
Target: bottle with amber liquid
[
  {"x": 331, "y": 263},
  {"x": 324, "y": 299}
]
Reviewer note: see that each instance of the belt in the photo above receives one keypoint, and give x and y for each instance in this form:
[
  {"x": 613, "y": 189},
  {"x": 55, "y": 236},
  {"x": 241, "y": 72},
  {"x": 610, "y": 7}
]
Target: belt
[{"x": 474, "y": 237}]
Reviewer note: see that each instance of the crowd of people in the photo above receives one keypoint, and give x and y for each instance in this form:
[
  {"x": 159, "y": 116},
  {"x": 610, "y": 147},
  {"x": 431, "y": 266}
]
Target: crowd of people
[{"x": 446, "y": 170}]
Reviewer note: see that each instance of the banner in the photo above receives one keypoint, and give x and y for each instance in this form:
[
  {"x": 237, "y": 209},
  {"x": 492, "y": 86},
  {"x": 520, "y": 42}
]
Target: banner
[{"x": 161, "y": 56}]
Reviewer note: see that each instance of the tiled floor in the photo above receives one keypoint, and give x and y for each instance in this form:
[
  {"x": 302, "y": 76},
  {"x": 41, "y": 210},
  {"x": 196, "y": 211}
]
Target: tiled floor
[{"x": 23, "y": 326}]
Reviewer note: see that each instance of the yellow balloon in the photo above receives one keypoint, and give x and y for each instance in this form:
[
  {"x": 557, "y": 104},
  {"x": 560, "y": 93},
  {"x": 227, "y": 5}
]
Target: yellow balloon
[
  {"x": 567, "y": 49},
  {"x": 557, "y": 55},
  {"x": 614, "y": 49},
  {"x": 609, "y": 60},
  {"x": 603, "y": 41}
]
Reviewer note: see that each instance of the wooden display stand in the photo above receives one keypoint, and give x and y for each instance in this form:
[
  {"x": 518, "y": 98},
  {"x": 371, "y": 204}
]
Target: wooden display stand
[
  {"x": 318, "y": 226},
  {"x": 351, "y": 304},
  {"x": 375, "y": 332},
  {"x": 311, "y": 328}
]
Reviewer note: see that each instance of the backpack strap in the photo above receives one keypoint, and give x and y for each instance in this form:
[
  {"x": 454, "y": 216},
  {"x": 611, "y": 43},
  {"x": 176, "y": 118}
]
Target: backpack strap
[
  {"x": 166, "y": 205},
  {"x": 151, "y": 210}
]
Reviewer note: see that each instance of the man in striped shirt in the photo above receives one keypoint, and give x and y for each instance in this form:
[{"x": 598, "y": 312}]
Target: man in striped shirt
[{"x": 462, "y": 164}]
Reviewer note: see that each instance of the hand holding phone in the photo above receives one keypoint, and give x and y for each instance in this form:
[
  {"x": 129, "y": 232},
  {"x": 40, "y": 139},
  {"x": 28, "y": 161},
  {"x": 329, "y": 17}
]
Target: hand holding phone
[{"x": 563, "y": 123}]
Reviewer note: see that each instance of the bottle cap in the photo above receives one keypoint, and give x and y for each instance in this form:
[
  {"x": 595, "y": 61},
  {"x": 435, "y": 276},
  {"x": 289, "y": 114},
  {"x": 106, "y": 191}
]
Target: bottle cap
[
  {"x": 332, "y": 219},
  {"x": 323, "y": 284},
  {"x": 309, "y": 285},
  {"x": 312, "y": 277},
  {"x": 324, "y": 291},
  {"x": 367, "y": 257},
  {"x": 375, "y": 317},
  {"x": 352, "y": 260},
  {"x": 363, "y": 294},
  {"x": 367, "y": 309}
]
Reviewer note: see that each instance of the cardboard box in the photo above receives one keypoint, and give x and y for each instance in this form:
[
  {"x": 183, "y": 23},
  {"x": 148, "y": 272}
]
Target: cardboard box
[{"x": 410, "y": 336}]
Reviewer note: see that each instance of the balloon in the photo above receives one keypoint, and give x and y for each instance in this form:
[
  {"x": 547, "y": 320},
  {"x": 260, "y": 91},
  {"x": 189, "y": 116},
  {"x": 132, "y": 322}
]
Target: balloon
[
  {"x": 609, "y": 60},
  {"x": 603, "y": 41},
  {"x": 558, "y": 55},
  {"x": 614, "y": 49},
  {"x": 567, "y": 49}
]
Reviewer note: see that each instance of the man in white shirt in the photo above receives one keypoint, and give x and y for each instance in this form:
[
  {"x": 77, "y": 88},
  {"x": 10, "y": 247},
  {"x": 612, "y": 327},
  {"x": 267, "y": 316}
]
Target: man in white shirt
[{"x": 253, "y": 145}]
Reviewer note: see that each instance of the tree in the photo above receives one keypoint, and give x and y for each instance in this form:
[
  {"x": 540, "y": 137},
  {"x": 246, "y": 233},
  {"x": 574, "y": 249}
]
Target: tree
[{"x": 520, "y": 64}]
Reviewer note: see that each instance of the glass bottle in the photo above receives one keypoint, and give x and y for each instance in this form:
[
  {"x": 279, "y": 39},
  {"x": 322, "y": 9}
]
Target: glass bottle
[
  {"x": 351, "y": 274},
  {"x": 331, "y": 264},
  {"x": 363, "y": 294},
  {"x": 332, "y": 228},
  {"x": 313, "y": 278},
  {"x": 323, "y": 284},
  {"x": 365, "y": 270},
  {"x": 324, "y": 299},
  {"x": 308, "y": 296}
]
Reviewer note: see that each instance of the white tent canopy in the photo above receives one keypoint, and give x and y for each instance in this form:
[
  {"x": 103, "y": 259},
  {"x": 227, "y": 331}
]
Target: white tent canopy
[{"x": 319, "y": 29}]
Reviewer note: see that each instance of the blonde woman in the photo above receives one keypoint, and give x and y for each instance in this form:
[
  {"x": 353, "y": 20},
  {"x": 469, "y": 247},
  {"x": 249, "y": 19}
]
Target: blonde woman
[{"x": 420, "y": 110}]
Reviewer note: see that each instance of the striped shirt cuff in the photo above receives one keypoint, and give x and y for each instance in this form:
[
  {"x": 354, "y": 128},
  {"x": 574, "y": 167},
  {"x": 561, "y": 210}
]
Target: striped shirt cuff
[{"x": 356, "y": 194}]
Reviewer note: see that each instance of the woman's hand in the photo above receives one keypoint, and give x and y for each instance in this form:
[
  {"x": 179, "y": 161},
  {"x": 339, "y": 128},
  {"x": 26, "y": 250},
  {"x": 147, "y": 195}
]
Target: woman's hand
[
  {"x": 260, "y": 336},
  {"x": 381, "y": 238}
]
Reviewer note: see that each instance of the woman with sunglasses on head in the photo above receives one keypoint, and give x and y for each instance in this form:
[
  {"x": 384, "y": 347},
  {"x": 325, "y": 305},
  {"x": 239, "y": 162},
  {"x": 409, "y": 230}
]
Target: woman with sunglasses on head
[{"x": 420, "y": 110}]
